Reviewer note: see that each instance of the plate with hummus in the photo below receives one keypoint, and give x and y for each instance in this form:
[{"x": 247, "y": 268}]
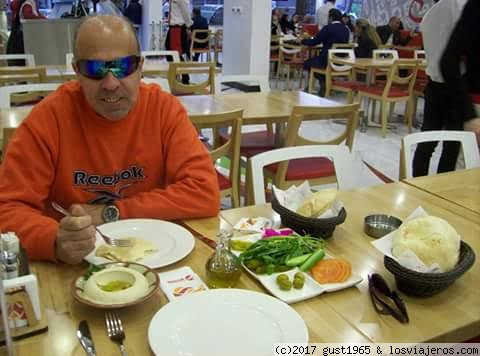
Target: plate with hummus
[
  {"x": 155, "y": 243},
  {"x": 239, "y": 322},
  {"x": 115, "y": 285}
]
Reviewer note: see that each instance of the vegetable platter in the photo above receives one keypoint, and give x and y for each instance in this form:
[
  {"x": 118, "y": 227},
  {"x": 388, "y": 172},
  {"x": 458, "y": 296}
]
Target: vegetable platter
[{"x": 288, "y": 266}]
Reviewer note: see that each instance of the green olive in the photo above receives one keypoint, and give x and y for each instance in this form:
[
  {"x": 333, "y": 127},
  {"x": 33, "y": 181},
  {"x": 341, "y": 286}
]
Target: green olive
[
  {"x": 282, "y": 277},
  {"x": 299, "y": 275},
  {"x": 285, "y": 284},
  {"x": 253, "y": 264},
  {"x": 298, "y": 283}
]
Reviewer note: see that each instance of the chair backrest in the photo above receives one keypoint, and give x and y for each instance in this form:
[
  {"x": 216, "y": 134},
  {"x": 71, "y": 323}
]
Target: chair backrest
[
  {"x": 344, "y": 45},
  {"x": 304, "y": 113},
  {"x": 160, "y": 55},
  {"x": 29, "y": 93},
  {"x": 230, "y": 147},
  {"x": 419, "y": 54},
  {"x": 385, "y": 54},
  {"x": 22, "y": 75},
  {"x": 291, "y": 53},
  {"x": 69, "y": 60},
  {"x": 393, "y": 75},
  {"x": 162, "y": 82},
  {"x": 340, "y": 156},
  {"x": 275, "y": 46},
  {"x": 260, "y": 80},
  {"x": 200, "y": 37},
  {"x": 466, "y": 138},
  {"x": 345, "y": 54},
  {"x": 175, "y": 70},
  {"x": 29, "y": 58}
]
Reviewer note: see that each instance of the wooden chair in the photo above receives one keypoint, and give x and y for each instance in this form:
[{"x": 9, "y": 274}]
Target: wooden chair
[
  {"x": 339, "y": 155},
  {"x": 229, "y": 186},
  {"x": 28, "y": 58},
  {"x": 291, "y": 58},
  {"x": 467, "y": 139},
  {"x": 274, "y": 54},
  {"x": 25, "y": 93},
  {"x": 22, "y": 75},
  {"x": 394, "y": 90},
  {"x": 316, "y": 170},
  {"x": 201, "y": 38},
  {"x": 161, "y": 54},
  {"x": 343, "y": 46},
  {"x": 69, "y": 60},
  {"x": 175, "y": 71},
  {"x": 217, "y": 45}
]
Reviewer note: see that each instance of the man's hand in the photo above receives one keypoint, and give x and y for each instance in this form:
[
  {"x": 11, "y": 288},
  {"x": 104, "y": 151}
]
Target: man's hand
[
  {"x": 95, "y": 211},
  {"x": 75, "y": 237},
  {"x": 473, "y": 125}
]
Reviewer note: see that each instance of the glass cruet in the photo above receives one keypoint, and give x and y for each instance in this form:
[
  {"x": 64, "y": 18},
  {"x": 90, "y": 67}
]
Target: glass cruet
[{"x": 223, "y": 268}]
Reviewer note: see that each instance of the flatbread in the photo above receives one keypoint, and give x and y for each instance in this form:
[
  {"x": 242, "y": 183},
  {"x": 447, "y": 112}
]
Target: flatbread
[
  {"x": 133, "y": 253},
  {"x": 318, "y": 203}
]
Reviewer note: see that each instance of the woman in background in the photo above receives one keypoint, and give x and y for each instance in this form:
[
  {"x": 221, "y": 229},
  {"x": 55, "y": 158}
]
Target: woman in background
[{"x": 367, "y": 39}]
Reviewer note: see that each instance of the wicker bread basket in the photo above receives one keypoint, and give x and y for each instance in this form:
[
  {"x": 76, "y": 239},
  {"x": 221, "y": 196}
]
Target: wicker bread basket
[
  {"x": 303, "y": 225},
  {"x": 427, "y": 284}
]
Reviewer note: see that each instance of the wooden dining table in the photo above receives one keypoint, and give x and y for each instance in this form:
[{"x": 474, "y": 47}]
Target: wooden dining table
[
  {"x": 461, "y": 187},
  {"x": 343, "y": 316}
]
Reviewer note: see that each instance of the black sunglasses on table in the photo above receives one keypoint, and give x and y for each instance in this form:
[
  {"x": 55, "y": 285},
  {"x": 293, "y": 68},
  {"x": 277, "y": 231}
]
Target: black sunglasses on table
[
  {"x": 384, "y": 300},
  {"x": 97, "y": 69}
]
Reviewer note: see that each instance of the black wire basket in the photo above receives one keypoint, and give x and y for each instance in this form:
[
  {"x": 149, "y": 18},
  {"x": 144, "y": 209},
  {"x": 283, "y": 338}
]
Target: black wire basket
[
  {"x": 305, "y": 225},
  {"x": 427, "y": 284}
]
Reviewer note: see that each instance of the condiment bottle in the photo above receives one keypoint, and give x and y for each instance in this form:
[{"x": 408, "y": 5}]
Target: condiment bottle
[
  {"x": 10, "y": 265},
  {"x": 223, "y": 268}
]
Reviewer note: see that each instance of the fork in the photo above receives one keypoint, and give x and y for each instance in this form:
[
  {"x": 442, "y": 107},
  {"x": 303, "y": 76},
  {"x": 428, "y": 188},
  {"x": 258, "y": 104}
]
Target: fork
[
  {"x": 107, "y": 239},
  {"x": 115, "y": 331}
]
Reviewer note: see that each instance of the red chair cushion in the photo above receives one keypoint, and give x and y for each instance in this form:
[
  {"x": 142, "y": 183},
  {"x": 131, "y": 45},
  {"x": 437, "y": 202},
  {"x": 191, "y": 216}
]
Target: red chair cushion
[
  {"x": 223, "y": 182},
  {"x": 253, "y": 143},
  {"x": 307, "y": 168},
  {"x": 395, "y": 92}
]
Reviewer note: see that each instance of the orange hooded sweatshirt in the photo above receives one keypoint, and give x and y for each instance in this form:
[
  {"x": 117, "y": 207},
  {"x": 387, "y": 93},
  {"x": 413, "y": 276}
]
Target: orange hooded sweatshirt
[{"x": 151, "y": 163}]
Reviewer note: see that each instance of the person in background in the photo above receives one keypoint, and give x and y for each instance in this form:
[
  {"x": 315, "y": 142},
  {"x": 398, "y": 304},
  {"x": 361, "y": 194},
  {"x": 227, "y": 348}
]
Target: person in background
[
  {"x": 323, "y": 13},
  {"x": 276, "y": 30},
  {"x": 107, "y": 147},
  {"x": 463, "y": 47},
  {"x": 21, "y": 10},
  {"x": 134, "y": 13},
  {"x": 107, "y": 7},
  {"x": 199, "y": 23},
  {"x": 440, "y": 107},
  {"x": 367, "y": 39},
  {"x": 390, "y": 33},
  {"x": 285, "y": 25},
  {"x": 334, "y": 32},
  {"x": 347, "y": 21}
]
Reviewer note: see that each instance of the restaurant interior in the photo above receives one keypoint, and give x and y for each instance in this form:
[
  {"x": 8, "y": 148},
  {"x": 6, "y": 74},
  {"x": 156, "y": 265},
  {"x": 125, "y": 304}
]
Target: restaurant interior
[{"x": 345, "y": 140}]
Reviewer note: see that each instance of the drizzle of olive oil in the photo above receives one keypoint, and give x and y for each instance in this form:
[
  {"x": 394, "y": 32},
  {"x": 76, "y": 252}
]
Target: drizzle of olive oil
[{"x": 114, "y": 286}]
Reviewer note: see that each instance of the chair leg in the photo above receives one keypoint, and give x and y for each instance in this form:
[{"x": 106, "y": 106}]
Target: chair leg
[
  {"x": 384, "y": 111},
  {"x": 310, "y": 81},
  {"x": 350, "y": 97},
  {"x": 409, "y": 114},
  {"x": 392, "y": 111},
  {"x": 287, "y": 86},
  {"x": 374, "y": 108},
  {"x": 414, "y": 108}
]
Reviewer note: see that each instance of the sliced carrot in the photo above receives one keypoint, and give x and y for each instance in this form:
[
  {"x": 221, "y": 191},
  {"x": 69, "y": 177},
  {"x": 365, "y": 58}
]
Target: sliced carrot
[{"x": 331, "y": 270}]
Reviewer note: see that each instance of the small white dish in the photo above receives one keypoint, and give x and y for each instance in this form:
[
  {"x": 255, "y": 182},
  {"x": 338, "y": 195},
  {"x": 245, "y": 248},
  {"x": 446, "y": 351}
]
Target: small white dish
[{"x": 310, "y": 289}]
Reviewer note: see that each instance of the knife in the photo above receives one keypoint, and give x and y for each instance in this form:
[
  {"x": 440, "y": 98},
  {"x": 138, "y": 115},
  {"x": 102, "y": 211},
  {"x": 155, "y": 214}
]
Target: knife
[{"x": 85, "y": 338}]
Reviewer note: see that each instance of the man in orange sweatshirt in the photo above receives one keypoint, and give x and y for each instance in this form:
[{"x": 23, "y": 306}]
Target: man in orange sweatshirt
[{"x": 108, "y": 147}]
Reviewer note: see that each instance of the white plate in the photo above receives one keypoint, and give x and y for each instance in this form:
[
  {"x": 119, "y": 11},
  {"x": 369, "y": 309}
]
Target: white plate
[
  {"x": 221, "y": 322},
  {"x": 310, "y": 289},
  {"x": 173, "y": 241}
]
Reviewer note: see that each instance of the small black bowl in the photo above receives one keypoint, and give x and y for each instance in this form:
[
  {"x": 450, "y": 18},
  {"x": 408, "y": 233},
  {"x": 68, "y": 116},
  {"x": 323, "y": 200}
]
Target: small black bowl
[{"x": 303, "y": 225}]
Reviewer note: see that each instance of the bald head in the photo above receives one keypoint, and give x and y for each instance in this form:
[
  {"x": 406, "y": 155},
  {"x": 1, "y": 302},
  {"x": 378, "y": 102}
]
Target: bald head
[{"x": 108, "y": 33}]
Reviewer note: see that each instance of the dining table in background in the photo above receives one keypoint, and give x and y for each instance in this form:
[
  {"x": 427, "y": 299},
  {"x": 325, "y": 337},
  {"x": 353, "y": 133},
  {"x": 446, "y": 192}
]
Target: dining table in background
[
  {"x": 461, "y": 187},
  {"x": 451, "y": 316}
]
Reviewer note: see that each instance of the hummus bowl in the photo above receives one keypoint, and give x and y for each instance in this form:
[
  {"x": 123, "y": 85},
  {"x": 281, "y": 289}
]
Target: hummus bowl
[{"x": 116, "y": 285}]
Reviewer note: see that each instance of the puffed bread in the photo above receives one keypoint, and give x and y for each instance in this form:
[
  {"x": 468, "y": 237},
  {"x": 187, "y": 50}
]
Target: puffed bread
[{"x": 318, "y": 203}]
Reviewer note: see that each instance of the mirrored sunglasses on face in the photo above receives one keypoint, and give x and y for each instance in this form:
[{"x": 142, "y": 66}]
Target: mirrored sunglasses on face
[
  {"x": 98, "y": 69},
  {"x": 384, "y": 300}
]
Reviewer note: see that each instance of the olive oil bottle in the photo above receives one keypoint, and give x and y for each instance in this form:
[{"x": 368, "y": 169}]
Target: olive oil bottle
[{"x": 223, "y": 268}]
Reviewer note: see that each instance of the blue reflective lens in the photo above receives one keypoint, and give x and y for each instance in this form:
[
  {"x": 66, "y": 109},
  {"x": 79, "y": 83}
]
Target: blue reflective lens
[{"x": 97, "y": 69}]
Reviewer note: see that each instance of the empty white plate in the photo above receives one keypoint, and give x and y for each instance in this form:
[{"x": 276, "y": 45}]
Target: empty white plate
[{"x": 221, "y": 322}]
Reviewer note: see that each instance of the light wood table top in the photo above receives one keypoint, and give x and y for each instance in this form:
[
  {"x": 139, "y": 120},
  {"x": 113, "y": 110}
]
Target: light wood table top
[
  {"x": 273, "y": 106},
  {"x": 461, "y": 187},
  {"x": 447, "y": 317},
  {"x": 13, "y": 117}
]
